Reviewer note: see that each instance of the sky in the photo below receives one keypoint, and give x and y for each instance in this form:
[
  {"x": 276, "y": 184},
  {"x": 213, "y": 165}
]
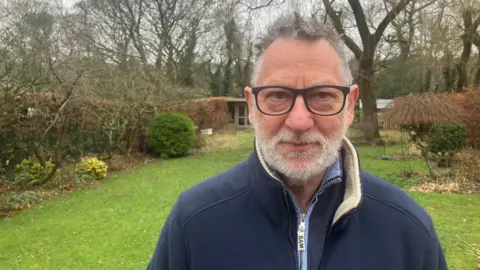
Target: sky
[
  {"x": 69, "y": 3},
  {"x": 66, "y": 3}
]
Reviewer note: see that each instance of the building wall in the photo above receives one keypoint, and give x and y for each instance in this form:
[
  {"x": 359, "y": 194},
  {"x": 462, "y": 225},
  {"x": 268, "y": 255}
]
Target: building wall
[{"x": 238, "y": 111}]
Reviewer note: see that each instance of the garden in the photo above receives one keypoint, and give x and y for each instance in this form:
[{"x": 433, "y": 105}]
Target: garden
[
  {"x": 114, "y": 223},
  {"x": 89, "y": 205},
  {"x": 106, "y": 111}
]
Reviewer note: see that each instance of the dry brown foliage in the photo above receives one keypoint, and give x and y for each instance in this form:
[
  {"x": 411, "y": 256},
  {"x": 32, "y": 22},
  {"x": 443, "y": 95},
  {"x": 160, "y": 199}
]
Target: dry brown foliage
[
  {"x": 224, "y": 139},
  {"x": 423, "y": 109},
  {"x": 427, "y": 109},
  {"x": 205, "y": 112},
  {"x": 462, "y": 177},
  {"x": 470, "y": 101},
  {"x": 125, "y": 162},
  {"x": 476, "y": 250},
  {"x": 467, "y": 164},
  {"x": 437, "y": 187}
]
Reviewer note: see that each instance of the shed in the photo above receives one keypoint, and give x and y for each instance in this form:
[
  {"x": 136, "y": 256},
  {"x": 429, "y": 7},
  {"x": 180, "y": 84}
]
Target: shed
[{"x": 238, "y": 112}]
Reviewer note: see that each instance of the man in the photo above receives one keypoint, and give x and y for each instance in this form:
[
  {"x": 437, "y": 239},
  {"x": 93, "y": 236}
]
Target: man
[{"x": 300, "y": 201}]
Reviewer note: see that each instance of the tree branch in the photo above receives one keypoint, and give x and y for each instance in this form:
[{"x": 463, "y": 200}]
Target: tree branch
[
  {"x": 50, "y": 66},
  {"x": 424, "y": 6},
  {"x": 260, "y": 6},
  {"x": 341, "y": 31},
  {"x": 59, "y": 112},
  {"x": 386, "y": 6},
  {"x": 361, "y": 21},
  {"x": 388, "y": 19},
  {"x": 476, "y": 40},
  {"x": 476, "y": 23}
]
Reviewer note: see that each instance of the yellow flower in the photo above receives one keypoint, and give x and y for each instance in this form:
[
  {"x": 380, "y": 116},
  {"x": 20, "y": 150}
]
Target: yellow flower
[{"x": 92, "y": 167}]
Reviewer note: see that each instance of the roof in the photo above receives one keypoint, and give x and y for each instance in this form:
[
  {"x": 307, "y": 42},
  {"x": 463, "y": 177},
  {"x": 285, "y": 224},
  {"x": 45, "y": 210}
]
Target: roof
[
  {"x": 424, "y": 109},
  {"x": 233, "y": 99},
  {"x": 382, "y": 103}
]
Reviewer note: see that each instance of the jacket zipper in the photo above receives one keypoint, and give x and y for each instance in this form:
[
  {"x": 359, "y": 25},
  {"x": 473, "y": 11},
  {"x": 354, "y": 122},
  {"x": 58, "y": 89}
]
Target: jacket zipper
[
  {"x": 295, "y": 253},
  {"x": 300, "y": 231},
  {"x": 301, "y": 226},
  {"x": 301, "y": 238},
  {"x": 301, "y": 244}
]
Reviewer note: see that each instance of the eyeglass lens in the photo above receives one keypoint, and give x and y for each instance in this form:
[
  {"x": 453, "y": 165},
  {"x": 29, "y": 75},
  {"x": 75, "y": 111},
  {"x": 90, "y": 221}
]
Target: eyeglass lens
[{"x": 321, "y": 100}]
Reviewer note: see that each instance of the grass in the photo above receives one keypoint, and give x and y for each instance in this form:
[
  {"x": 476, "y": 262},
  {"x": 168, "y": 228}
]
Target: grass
[{"x": 116, "y": 225}]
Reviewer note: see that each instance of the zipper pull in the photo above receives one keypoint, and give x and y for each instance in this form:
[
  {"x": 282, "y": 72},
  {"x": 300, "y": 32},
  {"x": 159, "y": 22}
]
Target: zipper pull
[{"x": 301, "y": 233}]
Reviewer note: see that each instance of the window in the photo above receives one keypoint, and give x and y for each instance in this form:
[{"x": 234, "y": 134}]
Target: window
[{"x": 242, "y": 110}]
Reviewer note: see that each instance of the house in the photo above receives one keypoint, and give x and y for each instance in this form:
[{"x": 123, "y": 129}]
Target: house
[
  {"x": 238, "y": 112},
  {"x": 383, "y": 106}
]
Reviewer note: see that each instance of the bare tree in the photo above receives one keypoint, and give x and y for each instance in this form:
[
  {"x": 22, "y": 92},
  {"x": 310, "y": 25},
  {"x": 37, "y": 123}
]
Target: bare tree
[
  {"x": 470, "y": 26},
  {"x": 366, "y": 55},
  {"x": 405, "y": 25},
  {"x": 39, "y": 80},
  {"x": 476, "y": 76}
]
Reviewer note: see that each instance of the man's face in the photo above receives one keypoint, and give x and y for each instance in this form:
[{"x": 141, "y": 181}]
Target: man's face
[{"x": 300, "y": 145}]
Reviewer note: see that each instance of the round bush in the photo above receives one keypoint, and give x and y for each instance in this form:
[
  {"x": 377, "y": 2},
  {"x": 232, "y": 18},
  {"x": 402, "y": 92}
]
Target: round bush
[
  {"x": 171, "y": 135},
  {"x": 91, "y": 169},
  {"x": 31, "y": 171},
  {"x": 443, "y": 138}
]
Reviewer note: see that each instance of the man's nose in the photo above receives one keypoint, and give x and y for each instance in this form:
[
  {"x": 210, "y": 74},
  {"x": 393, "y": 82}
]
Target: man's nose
[{"x": 299, "y": 118}]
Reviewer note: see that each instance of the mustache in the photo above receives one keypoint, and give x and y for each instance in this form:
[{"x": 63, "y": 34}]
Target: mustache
[{"x": 310, "y": 137}]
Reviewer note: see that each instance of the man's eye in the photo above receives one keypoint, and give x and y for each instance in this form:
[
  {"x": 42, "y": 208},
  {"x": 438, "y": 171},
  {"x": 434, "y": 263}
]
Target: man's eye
[
  {"x": 322, "y": 95},
  {"x": 278, "y": 95}
]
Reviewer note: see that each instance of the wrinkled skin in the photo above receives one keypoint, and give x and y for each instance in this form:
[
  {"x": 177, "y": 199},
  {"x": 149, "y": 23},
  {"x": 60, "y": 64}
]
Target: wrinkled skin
[{"x": 300, "y": 145}]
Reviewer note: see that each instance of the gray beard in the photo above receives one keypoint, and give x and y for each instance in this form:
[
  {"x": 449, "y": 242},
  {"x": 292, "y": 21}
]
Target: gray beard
[{"x": 299, "y": 166}]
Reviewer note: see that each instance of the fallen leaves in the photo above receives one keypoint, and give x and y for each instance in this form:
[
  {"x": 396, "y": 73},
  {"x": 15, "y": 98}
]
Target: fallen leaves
[
  {"x": 476, "y": 249},
  {"x": 439, "y": 188}
]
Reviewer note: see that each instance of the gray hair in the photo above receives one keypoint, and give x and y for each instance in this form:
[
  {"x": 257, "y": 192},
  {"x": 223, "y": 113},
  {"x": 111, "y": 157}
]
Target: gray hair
[{"x": 294, "y": 26}]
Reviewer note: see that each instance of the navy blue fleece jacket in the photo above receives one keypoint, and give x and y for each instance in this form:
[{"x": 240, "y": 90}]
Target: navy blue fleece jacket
[{"x": 246, "y": 218}]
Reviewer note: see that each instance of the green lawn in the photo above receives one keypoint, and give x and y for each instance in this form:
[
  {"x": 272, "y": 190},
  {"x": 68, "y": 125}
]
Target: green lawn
[{"x": 116, "y": 225}]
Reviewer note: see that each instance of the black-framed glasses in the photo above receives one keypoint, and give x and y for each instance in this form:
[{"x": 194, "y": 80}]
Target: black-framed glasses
[{"x": 324, "y": 100}]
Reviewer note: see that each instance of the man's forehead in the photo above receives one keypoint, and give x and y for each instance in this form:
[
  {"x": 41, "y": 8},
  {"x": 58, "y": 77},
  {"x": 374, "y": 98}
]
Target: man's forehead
[
  {"x": 299, "y": 46},
  {"x": 291, "y": 53},
  {"x": 287, "y": 60},
  {"x": 307, "y": 81}
]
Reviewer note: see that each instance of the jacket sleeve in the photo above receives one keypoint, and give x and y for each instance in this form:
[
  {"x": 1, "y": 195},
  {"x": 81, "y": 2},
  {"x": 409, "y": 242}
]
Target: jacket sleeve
[
  {"x": 435, "y": 258},
  {"x": 171, "y": 252}
]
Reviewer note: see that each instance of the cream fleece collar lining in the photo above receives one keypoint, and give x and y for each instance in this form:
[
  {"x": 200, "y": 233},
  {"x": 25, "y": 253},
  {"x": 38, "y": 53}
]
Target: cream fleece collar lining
[{"x": 353, "y": 188}]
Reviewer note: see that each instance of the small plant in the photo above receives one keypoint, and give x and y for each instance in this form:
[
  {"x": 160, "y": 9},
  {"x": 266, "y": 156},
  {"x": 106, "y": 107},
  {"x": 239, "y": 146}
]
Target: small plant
[
  {"x": 91, "y": 169},
  {"x": 408, "y": 172},
  {"x": 19, "y": 200},
  {"x": 444, "y": 138},
  {"x": 171, "y": 135},
  {"x": 31, "y": 172}
]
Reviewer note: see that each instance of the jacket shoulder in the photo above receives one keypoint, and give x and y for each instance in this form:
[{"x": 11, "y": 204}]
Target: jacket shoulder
[
  {"x": 213, "y": 191},
  {"x": 388, "y": 195}
]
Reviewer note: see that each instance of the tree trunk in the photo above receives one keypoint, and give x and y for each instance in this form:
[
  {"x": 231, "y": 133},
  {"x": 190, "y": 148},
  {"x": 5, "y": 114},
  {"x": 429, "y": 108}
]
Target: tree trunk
[
  {"x": 369, "y": 104},
  {"x": 365, "y": 56},
  {"x": 449, "y": 73},
  {"x": 462, "y": 74},
  {"x": 467, "y": 50},
  {"x": 427, "y": 81},
  {"x": 476, "y": 77}
]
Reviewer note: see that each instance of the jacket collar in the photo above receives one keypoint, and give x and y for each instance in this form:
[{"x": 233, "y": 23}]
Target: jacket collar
[
  {"x": 353, "y": 185},
  {"x": 270, "y": 192}
]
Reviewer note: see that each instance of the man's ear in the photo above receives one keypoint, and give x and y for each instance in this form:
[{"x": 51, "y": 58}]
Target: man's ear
[
  {"x": 249, "y": 97},
  {"x": 352, "y": 100}
]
